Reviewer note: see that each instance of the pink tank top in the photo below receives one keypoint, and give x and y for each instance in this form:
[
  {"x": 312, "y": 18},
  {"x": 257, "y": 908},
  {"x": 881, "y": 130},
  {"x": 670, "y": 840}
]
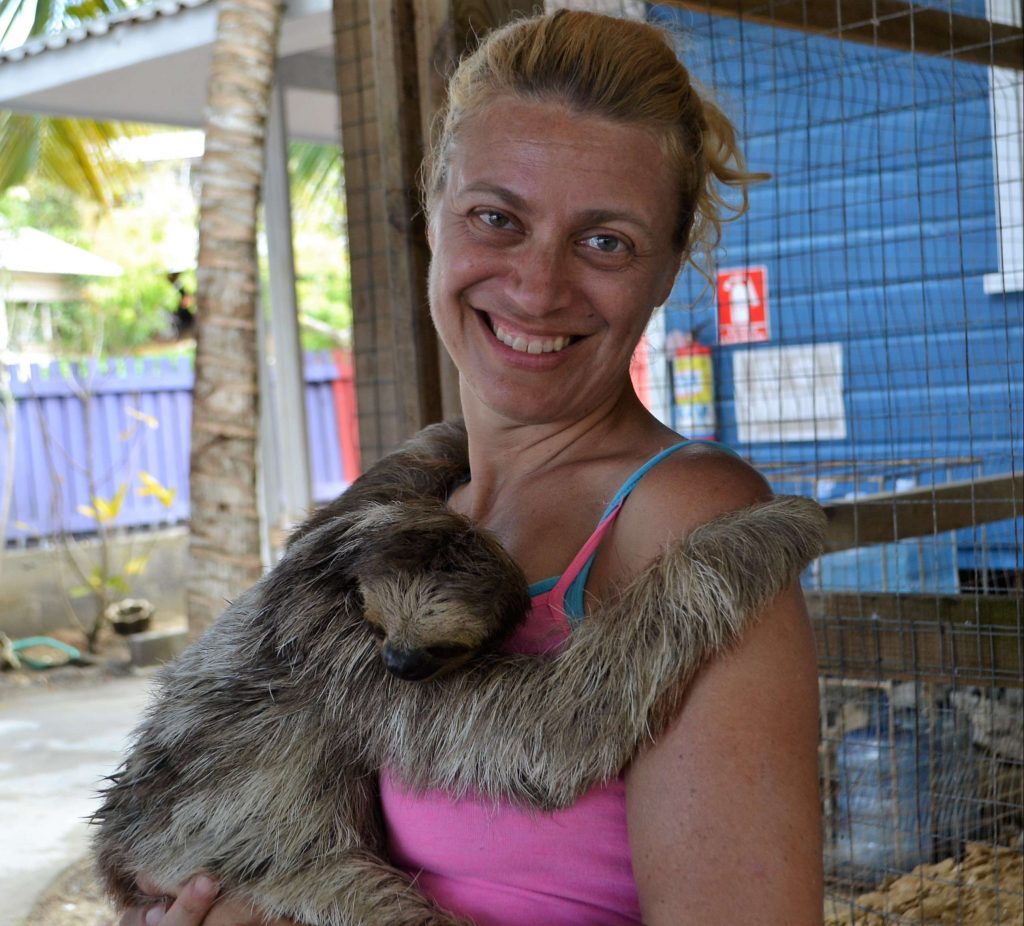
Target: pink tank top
[{"x": 504, "y": 866}]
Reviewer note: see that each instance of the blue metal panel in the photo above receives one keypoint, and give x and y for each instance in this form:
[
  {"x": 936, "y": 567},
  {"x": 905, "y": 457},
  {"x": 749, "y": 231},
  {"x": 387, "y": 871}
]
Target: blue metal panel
[{"x": 876, "y": 229}]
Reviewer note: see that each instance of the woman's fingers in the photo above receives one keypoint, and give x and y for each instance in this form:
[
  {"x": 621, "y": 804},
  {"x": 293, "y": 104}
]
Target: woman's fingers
[{"x": 188, "y": 909}]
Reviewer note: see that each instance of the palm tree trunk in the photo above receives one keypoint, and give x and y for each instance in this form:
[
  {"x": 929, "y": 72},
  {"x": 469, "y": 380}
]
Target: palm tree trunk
[{"x": 225, "y": 536}]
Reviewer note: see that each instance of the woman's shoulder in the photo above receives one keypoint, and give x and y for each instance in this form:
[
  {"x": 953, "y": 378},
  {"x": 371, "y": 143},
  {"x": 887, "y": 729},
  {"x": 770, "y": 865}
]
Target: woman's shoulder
[{"x": 688, "y": 488}]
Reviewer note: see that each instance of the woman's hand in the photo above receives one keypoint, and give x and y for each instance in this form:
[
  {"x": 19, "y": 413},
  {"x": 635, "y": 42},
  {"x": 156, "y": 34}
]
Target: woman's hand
[{"x": 197, "y": 905}]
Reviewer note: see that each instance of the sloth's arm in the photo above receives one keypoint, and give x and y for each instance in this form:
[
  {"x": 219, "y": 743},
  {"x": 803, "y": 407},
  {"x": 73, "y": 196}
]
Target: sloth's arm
[
  {"x": 542, "y": 731},
  {"x": 363, "y": 890}
]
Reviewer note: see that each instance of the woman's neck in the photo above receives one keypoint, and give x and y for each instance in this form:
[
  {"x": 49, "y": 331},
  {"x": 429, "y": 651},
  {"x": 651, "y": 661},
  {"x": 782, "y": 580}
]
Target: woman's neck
[{"x": 508, "y": 456}]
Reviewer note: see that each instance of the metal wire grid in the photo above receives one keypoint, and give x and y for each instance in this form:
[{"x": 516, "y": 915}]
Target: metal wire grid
[
  {"x": 880, "y": 231},
  {"x": 895, "y": 332}
]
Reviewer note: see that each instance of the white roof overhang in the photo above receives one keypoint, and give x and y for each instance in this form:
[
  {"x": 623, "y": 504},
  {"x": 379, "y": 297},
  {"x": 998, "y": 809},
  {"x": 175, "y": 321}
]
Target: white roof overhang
[
  {"x": 36, "y": 267},
  {"x": 151, "y": 64}
]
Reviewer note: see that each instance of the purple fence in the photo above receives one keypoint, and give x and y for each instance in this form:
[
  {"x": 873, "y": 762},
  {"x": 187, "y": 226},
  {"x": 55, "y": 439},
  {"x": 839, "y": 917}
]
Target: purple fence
[{"x": 105, "y": 424}]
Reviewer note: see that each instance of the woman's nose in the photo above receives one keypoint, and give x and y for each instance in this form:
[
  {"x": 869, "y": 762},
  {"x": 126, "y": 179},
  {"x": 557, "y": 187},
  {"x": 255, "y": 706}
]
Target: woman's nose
[{"x": 543, "y": 281}]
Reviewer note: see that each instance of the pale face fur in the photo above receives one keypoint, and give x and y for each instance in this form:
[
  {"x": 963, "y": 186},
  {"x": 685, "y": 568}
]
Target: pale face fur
[
  {"x": 436, "y": 590},
  {"x": 423, "y": 627}
]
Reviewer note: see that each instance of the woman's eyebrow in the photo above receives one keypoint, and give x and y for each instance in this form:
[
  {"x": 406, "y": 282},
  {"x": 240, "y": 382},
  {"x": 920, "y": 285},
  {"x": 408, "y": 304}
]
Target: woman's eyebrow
[
  {"x": 597, "y": 216},
  {"x": 503, "y": 193},
  {"x": 602, "y": 216}
]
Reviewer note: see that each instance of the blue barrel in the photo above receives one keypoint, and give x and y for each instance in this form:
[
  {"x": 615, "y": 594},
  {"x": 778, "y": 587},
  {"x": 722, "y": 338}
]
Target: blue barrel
[{"x": 902, "y": 794}]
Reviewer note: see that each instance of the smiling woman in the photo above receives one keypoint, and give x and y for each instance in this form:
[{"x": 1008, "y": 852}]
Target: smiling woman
[
  {"x": 545, "y": 236},
  {"x": 575, "y": 171}
]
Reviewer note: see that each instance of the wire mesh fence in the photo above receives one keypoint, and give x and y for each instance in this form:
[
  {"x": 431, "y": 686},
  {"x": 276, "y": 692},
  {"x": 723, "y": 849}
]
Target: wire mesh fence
[{"x": 860, "y": 341}]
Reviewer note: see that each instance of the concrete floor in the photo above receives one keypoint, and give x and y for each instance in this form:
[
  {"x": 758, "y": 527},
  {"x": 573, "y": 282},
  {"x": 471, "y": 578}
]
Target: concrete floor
[{"x": 57, "y": 744}]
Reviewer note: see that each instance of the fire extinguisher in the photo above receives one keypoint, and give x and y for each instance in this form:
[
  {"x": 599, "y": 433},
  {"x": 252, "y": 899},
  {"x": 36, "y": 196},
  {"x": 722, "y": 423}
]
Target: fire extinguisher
[{"x": 693, "y": 388}]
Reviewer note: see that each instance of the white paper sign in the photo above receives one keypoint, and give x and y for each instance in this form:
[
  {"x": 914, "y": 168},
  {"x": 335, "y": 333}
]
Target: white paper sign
[{"x": 790, "y": 393}]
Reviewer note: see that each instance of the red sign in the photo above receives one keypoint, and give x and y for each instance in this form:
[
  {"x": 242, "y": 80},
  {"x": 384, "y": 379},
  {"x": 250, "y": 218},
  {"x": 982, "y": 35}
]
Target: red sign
[{"x": 743, "y": 305}]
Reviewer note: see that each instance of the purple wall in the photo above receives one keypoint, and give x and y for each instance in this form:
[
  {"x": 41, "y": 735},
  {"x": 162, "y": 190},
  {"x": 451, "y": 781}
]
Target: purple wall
[{"x": 58, "y": 433}]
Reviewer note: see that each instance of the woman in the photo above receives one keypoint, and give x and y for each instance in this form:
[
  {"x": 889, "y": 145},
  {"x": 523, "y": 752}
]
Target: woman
[{"x": 576, "y": 171}]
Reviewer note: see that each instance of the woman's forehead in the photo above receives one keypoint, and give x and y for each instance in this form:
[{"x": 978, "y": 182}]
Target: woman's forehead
[{"x": 530, "y": 149}]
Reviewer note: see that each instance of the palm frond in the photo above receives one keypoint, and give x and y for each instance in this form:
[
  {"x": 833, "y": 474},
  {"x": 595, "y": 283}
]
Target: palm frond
[
  {"x": 316, "y": 171},
  {"x": 77, "y": 154},
  {"x": 19, "y": 142}
]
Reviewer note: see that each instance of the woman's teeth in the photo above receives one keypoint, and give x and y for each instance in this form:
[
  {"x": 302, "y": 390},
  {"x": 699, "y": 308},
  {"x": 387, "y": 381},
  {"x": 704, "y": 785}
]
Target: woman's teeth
[{"x": 529, "y": 345}]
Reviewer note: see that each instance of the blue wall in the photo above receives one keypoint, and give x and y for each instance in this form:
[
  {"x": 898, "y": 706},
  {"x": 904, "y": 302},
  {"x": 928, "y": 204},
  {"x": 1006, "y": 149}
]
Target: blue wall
[{"x": 876, "y": 230}]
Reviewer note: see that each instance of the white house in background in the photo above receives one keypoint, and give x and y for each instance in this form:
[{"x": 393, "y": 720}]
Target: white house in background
[
  {"x": 151, "y": 63},
  {"x": 38, "y": 268}
]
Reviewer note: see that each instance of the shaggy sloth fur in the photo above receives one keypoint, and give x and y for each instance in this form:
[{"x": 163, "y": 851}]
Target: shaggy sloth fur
[{"x": 258, "y": 760}]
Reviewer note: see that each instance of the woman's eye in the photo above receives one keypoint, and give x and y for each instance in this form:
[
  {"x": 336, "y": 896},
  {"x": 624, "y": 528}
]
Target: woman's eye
[
  {"x": 493, "y": 218},
  {"x": 606, "y": 244}
]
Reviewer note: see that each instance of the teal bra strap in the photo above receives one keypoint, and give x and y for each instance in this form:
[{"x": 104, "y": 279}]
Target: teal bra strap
[
  {"x": 574, "y": 593},
  {"x": 544, "y": 585}
]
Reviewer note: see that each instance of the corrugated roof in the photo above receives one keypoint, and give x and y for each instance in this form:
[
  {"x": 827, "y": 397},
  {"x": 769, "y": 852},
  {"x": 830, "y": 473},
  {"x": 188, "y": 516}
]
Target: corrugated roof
[{"x": 116, "y": 21}]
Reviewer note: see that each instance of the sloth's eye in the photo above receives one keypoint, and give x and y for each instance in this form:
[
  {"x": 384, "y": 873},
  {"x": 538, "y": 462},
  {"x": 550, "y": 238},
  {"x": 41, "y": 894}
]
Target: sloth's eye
[
  {"x": 379, "y": 632},
  {"x": 448, "y": 652}
]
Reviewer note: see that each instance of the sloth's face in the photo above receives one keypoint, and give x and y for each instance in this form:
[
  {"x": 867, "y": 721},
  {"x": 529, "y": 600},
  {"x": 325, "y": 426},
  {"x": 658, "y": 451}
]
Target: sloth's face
[
  {"x": 427, "y": 625},
  {"x": 436, "y": 589}
]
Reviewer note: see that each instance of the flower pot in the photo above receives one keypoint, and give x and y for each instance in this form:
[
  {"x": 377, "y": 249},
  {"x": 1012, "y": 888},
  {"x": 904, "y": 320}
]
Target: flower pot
[{"x": 132, "y": 615}]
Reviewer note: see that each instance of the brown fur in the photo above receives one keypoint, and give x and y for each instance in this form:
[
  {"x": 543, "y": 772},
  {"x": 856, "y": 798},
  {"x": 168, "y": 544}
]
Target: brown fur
[{"x": 258, "y": 760}]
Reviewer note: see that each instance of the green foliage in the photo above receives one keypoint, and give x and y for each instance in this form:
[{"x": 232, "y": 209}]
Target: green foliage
[
  {"x": 326, "y": 297},
  {"x": 50, "y": 207},
  {"x": 77, "y": 153},
  {"x": 129, "y": 311},
  {"x": 316, "y": 177}
]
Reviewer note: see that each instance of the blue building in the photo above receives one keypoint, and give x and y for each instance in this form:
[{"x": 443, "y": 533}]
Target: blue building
[{"x": 895, "y": 314}]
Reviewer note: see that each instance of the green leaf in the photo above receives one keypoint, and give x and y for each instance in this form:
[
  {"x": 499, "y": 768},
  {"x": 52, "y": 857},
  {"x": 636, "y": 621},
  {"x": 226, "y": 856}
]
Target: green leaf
[{"x": 19, "y": 142}]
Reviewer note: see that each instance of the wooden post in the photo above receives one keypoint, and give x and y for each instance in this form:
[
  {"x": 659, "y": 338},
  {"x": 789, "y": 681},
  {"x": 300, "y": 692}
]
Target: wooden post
[
  {"x": 392, "y": 58},
  {"x": 400, "y": 129},
  {"x": 445, "y": 31},
  {"x": 373, "y": 354}
]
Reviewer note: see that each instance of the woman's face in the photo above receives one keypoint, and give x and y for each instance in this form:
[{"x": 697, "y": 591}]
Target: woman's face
[{"x": 552, "y": 243}]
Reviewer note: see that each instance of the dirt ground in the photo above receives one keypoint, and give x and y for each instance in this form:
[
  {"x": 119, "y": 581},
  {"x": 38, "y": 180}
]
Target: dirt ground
[
  {"x": 73, "y": 898},
  {"x": 985, "y": 888},
  {"x": 112, "y": 658}
]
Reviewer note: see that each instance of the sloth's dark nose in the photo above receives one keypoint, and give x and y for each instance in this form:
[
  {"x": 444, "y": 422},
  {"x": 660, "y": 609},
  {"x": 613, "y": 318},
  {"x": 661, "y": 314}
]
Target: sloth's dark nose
[{"x": 412, "y": 665}]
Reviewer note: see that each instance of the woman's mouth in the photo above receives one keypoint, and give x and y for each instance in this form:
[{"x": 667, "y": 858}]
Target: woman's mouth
[{"x": 530, "y": 344}]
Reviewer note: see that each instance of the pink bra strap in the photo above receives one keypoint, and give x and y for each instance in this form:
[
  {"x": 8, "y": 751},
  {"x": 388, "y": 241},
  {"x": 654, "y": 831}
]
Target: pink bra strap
[{"x": 557, "y": 594}]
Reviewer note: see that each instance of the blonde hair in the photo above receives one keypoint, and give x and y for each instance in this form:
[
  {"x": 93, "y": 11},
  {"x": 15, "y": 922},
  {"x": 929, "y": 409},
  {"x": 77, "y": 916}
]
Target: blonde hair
[{"x": 618, "y": 69}]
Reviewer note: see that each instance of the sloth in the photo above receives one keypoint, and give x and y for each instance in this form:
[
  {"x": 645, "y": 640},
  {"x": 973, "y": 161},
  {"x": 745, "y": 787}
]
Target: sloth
[{"x": 372, "y": 644}]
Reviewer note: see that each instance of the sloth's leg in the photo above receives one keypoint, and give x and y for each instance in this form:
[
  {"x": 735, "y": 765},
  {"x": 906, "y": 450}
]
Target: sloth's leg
[
  {"x": 338, "y": 877},
  {"x": 542, "y": 732}
]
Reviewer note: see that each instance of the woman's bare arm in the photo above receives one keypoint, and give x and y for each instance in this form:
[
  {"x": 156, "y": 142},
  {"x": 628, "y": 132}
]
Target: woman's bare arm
[{"x": 724, "y": 812}]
